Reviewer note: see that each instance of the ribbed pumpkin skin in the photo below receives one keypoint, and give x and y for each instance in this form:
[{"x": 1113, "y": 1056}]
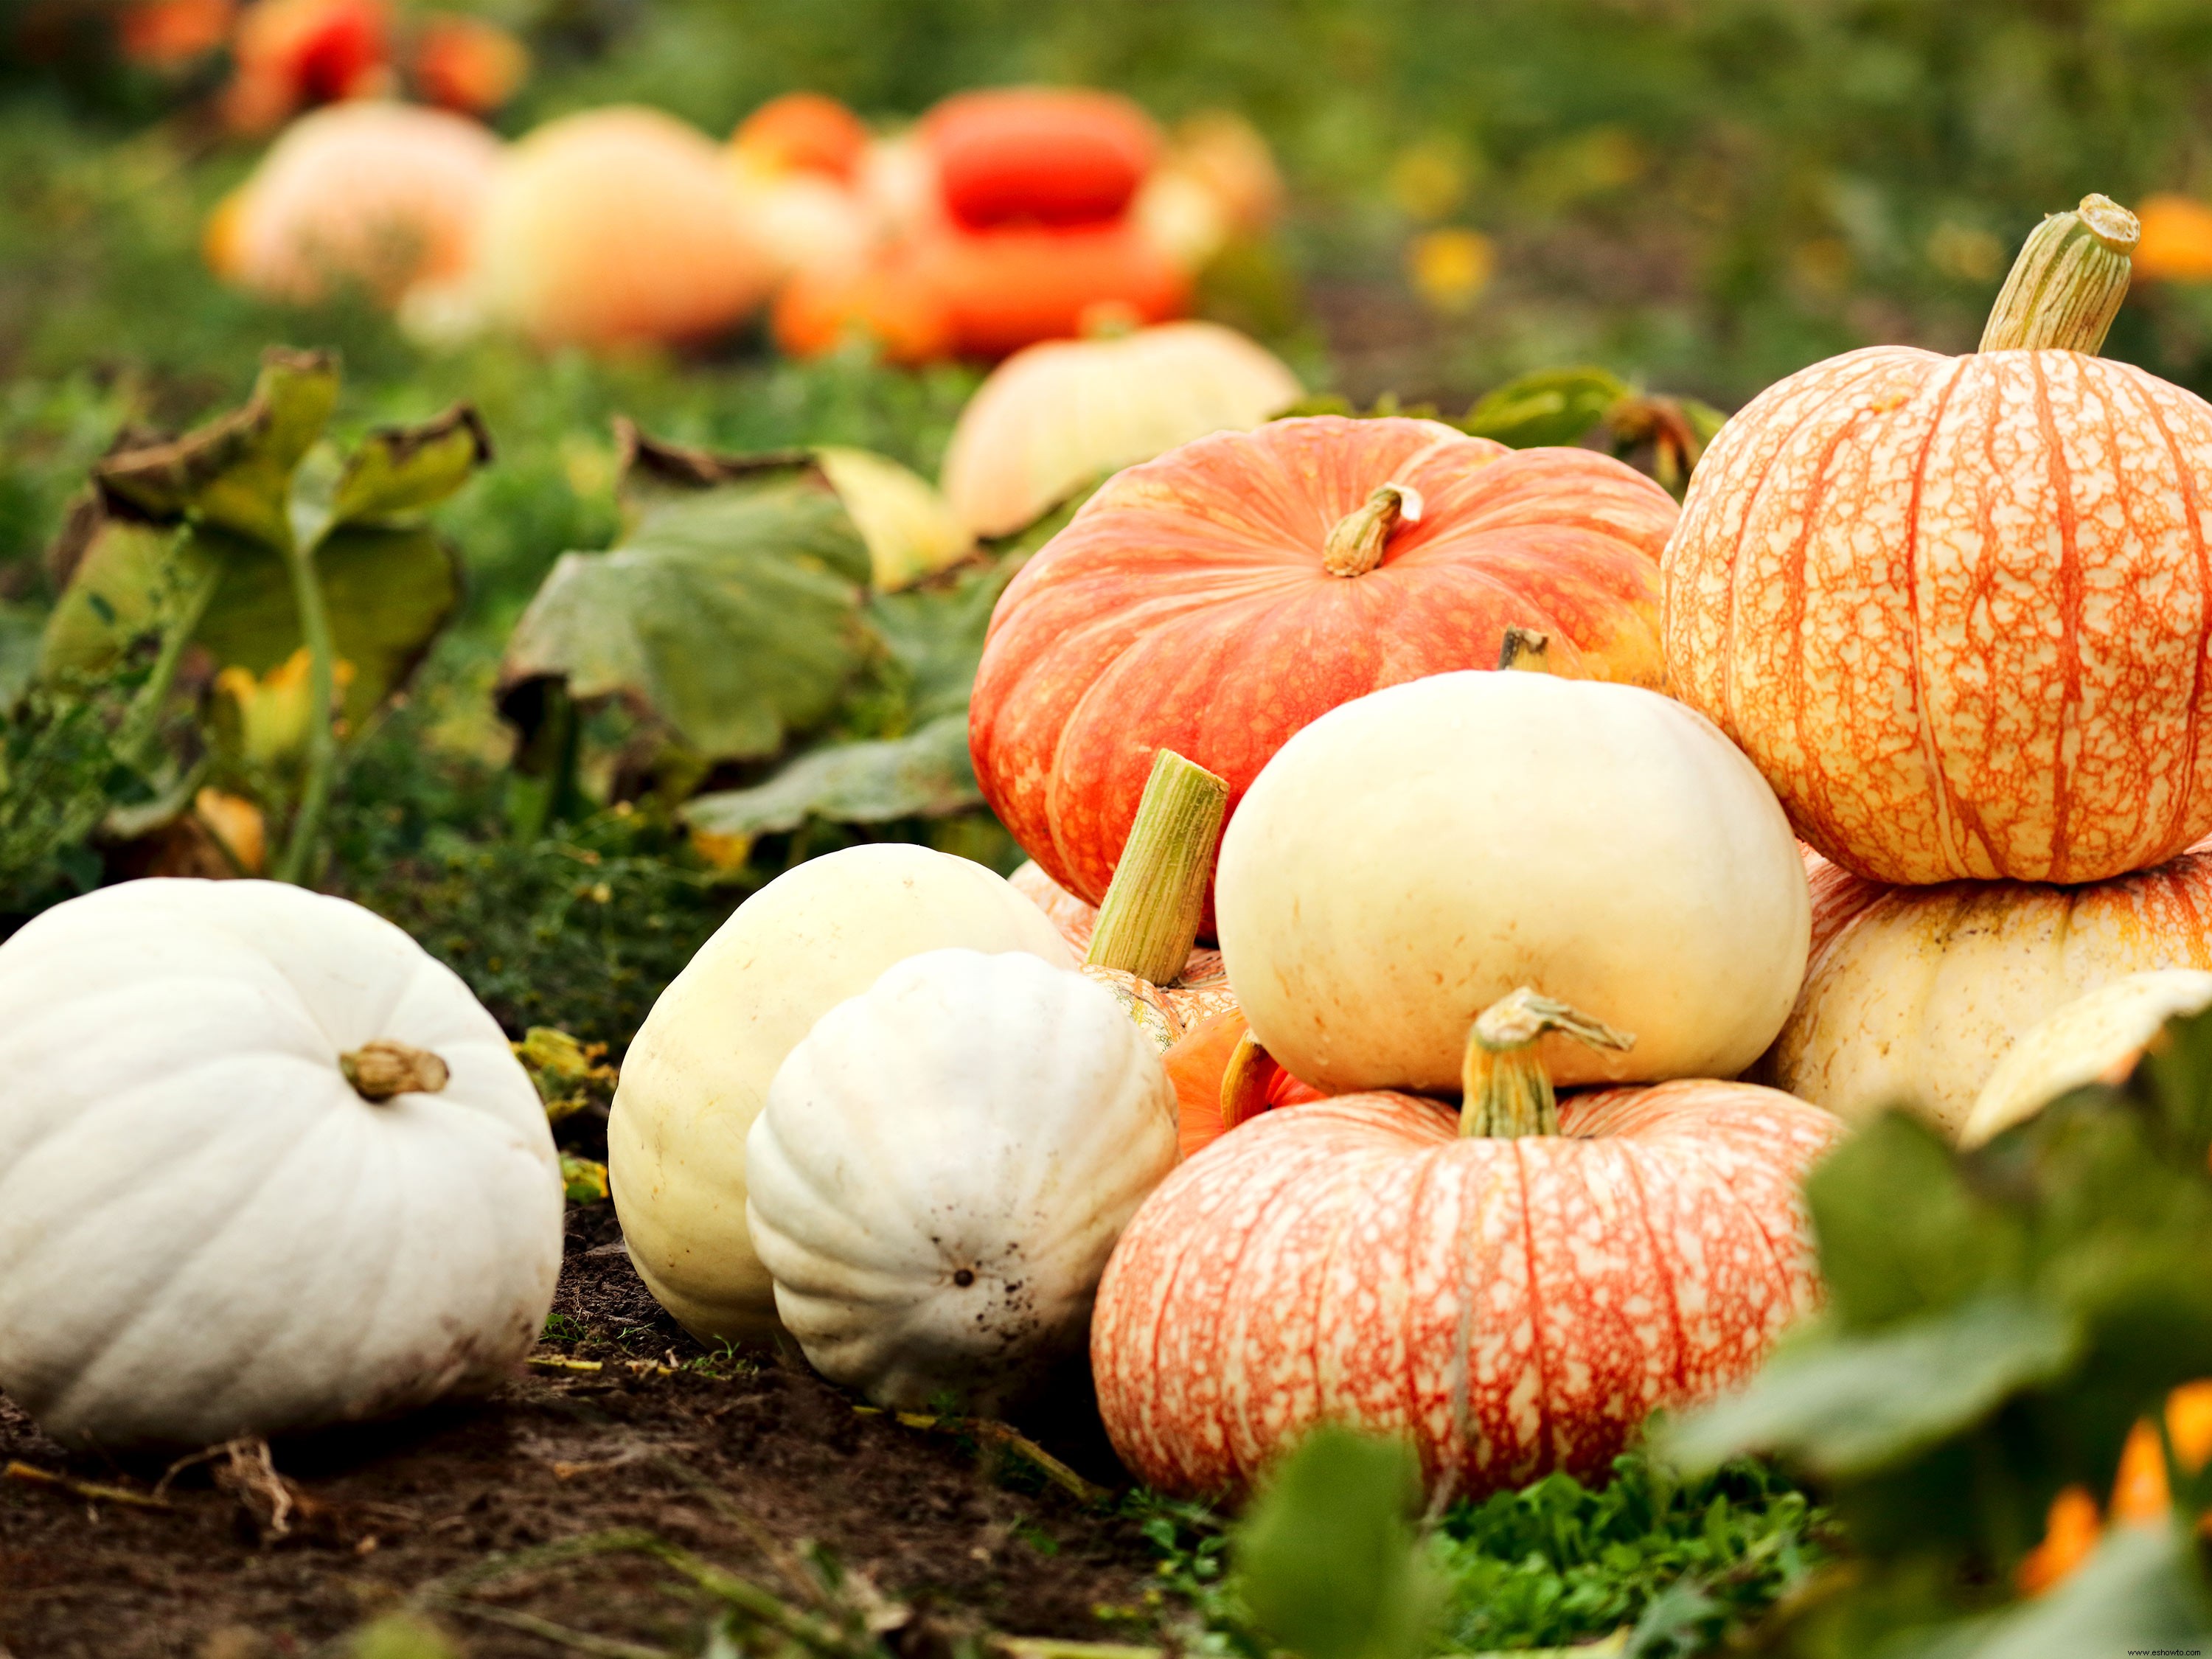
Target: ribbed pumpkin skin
[
  {"x": 1512, "y": 1307},
  {"x": 1954, "y": 608},
  {"x": 1918, "y": 995},
  {"x": 1186, "y": 606}
]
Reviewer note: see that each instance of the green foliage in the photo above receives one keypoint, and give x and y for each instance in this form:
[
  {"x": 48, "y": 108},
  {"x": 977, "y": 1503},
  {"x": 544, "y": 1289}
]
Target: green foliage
[
  {"x": 63, "y": 770},
  {"x": 2000, "y": 1318}
]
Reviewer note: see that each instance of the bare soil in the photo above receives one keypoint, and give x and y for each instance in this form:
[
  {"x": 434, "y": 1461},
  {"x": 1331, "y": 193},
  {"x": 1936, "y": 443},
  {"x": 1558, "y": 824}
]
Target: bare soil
[{"x": 748, "y": 1462}]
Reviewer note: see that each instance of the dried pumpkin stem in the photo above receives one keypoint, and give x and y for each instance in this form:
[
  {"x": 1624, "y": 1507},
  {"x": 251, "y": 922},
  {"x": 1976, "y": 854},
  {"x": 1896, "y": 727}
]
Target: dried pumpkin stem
[
  {"x": 382, "y": 1069},
  {"x": 2067, "y": 285},
  {"x": 1525, "y": 650},
  {"x": 1508, "y": 1093},
  {"x": 1151, "y": 915},
  {"x": 1355, "y": 544}
]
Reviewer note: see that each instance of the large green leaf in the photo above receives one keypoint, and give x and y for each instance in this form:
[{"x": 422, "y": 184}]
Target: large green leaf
[
  {"x": 20, "y": 628},
  {"x": 925, "y": 775},
  {"x": 1325, "y": 1558},
  {"x": 1901, "y": 1232},
  {"x": 1840, "y": 1404},
  {"x": 731, "y": 613},
  {"x": 936, "y": 635},
  {"x": 1551, "y": 406}
]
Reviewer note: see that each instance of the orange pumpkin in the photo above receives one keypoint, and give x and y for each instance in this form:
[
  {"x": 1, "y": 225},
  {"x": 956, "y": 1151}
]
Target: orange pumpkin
[
  {"x": 1510, "y": 1303},
  {"x": 1218, "y": 599},
  {"x": 2176, "y": 240},
  {"x": 1956, "y": 608},
  {"x": 1007, "y": 288},
  {"x": 466, "y": 63},
  {"x": 822, "y": 306},
  {"x": 1039, "y": 156},
  {"x": 803, "y": 132}
]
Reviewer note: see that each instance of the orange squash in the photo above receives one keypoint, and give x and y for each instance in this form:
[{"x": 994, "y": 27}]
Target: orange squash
[
  {"x": 820, "y": 307},
  {"x": 1208, "y": 602},
  {"x": 1039, "y": 156},
  {"x": 803, "y": 132},
  {"x": 1510, "y": 1302},
  {"x": 2176, "y": 240},
  {"x": 1956, "y": 608},
  {"x": 1009, "y": 288}
]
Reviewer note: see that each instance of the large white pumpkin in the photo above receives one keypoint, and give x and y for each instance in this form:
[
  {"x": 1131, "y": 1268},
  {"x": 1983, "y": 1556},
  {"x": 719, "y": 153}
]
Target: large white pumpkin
[
  {"x": 942, "y": 1171},
  {"x": 698, "y": 1073},
  {"x": 207, "y": 1229},
  {"x": 1415, "y": 855}
]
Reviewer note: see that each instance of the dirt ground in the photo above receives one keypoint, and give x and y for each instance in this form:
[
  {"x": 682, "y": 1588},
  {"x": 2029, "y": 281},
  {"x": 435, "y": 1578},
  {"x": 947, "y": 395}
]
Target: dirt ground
[{"x": 742, "y": 1464}]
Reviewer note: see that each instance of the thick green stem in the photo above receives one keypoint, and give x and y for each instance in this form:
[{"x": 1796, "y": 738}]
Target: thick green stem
[
  {"x": 1507, "y": 1092},
  {"x": 322, "y": 706},
  {"x": 142, "y": 722},
  {"x": 2067, "y": 285},
  {"x": 1357, "y": 541},
  {"x": 1151, "y": 915}
]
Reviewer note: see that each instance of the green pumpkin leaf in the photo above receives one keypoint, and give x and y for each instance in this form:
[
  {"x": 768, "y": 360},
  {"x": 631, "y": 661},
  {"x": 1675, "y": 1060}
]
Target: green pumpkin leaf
[
  {"x": 1327, "y": 1558},
  {"x": 1551, "y": 406},
  {"x": 1840, "y": 1404},
  {"x": 21, "y": 629},
  {"x": 730, "y": 612},
  {"x": 2141, "y": 1591},
  {"x": 235, "y": 472},
  {"x": 1901, "y": 1232},
  {"x": 407, "y": 469},
  {"x": 927, "y": 773},
  {"x": 126, "y": 576},
  {"x": 936, "y": 635}
]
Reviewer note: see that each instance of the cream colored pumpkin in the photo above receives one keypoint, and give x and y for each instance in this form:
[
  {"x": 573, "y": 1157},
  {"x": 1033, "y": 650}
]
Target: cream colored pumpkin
[
  {"x": 698, "y": 1073},
  {"x": 943, "y": 1168},
  {"x": 1920, "y": 994},
  {"x": 2096, "y": 1038},
  {"x": 229, "y": 1205},
  {"x": 1411, "y": 857},
  {"x": 1056, "y": 416}
]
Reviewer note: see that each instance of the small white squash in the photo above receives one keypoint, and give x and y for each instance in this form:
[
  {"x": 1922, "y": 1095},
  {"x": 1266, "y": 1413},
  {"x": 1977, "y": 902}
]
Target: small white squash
[
  {"x": 698, "y": 1073},
  {"x": 942, "y": 1171},
  {"x": 2096, "y": 1038},
  {"x": 1416, "y": 854},
  {"x": 265, "y": 1166}
]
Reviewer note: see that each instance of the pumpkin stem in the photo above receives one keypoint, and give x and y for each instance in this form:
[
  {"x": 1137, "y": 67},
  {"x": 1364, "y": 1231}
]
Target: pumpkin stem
[
  {"x": 2067, "y": 285},
  {"x": 1525, "y": 649},
  {"x": 1508, "y": 1093},
  {"x": 1355, "y": 545},
  {"x": 1150, "y": 917},
  {"x": 381, "y": 1069}
]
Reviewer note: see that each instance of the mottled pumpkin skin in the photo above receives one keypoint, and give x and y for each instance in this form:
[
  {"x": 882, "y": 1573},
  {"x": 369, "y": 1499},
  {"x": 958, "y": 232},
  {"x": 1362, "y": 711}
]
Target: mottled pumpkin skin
[
  {"x": 1918, "y": 993},
  {"x": 1511, "y": 1307},
  {"x": 1186, "y": 606},
  {"x": 1954, "y": 608}
]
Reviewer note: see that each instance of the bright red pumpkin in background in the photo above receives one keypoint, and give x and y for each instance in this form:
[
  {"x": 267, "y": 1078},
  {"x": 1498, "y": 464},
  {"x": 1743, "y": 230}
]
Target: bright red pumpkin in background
[
  {"x": 1004, "y": 289},
  {"x": 1040, "y": 155},
  {"x": 803, "y": 132},
  {"x": 1510, "y": 1307},
  {"x": 292, "y": 53},
  {"x": 1187, "y": 606}
]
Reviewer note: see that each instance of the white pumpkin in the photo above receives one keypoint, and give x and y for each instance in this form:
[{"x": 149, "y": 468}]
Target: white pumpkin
[
  {"x": 1921, "y": 992},
  {"x": 2096, "y": 1038},
  {"x": 1056, "y": 416},
  {"x": 698, "y": 1073},
  {"x": 265, "y": 1166},
  {"x": 1416, "y": 854},
  {"x": 942, "y": 1171}
]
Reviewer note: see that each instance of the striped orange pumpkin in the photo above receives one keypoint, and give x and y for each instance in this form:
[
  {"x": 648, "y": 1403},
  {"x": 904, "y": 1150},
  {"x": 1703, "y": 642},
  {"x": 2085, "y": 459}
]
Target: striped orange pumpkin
[
  {"x": 1511, "y": 1304},
  {"x": 1956, "y": 608},
  {"x": 1216, "y": 600}
]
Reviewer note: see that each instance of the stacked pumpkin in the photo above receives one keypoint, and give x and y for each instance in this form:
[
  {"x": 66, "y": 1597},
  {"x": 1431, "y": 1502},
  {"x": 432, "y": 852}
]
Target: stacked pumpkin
[
  {"x": 1956, "y": 610},
  {"x": 917, "y": 1158}
]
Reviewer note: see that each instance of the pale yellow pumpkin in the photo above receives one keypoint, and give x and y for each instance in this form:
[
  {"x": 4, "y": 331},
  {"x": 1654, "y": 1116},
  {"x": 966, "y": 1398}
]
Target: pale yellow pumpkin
[
  {"x": 1056, "y": 416},
  {"x": 1917, "y": 997},
  {"x": 2096, "y": 1038}
]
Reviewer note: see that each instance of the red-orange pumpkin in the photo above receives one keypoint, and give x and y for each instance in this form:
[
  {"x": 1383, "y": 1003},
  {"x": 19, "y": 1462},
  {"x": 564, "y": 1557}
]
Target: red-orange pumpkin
[
  {"x": 1039, "y": 156},
  {"x": 803, "y": 132},
  {"x": 1189, "y": 605},
  {"x": 1007, "y": 288},
  {"x": 820, "y": 307},
  {"x": 1956, "y": 609},
  {"x": 1510, "y": 1305}
]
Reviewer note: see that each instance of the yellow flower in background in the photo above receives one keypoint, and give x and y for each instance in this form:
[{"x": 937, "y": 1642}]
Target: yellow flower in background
[
  {"x": 723, "y": 851},
  {"x": 273, "y": 708},
  {"x": 1450, "y": 268},
  {"x": 1429, "y": 181}
]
